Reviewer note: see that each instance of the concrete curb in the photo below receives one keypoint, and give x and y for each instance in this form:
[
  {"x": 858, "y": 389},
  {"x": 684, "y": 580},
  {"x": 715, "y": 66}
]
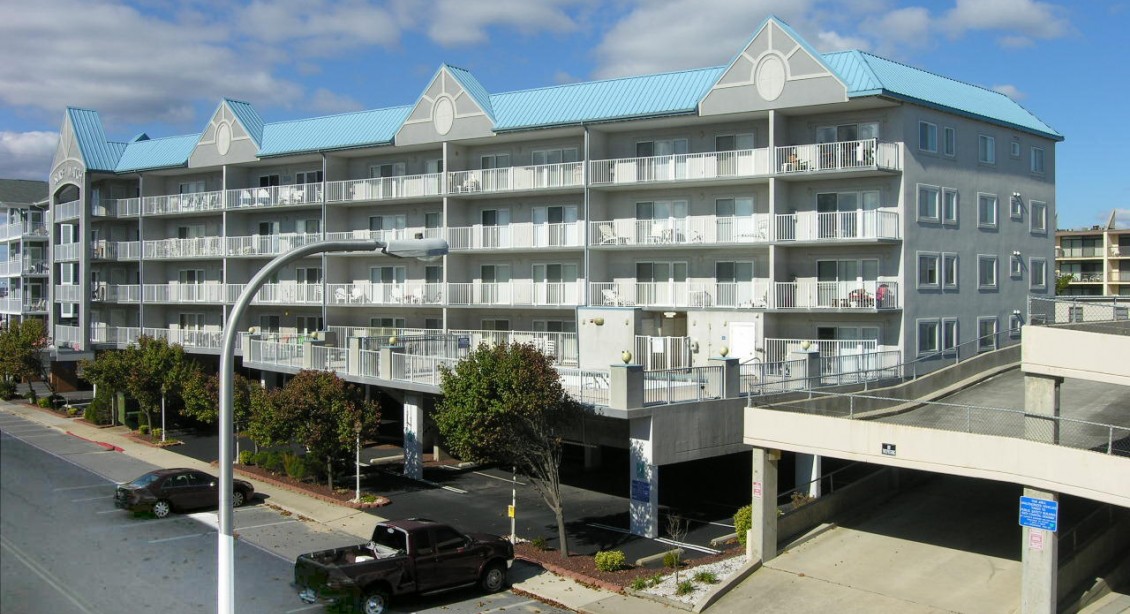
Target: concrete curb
[
  {"x": 724, "y": 587},
  {"x": 576, "y": 577},
  {"x": 380, "y": 502}
]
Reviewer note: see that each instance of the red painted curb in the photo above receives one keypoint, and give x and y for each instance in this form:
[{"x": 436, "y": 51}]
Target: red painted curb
[
  {"x": 380, "y": 502},
  {"x": 109, "y": 446},
  {"x": 561, "y": 571}
]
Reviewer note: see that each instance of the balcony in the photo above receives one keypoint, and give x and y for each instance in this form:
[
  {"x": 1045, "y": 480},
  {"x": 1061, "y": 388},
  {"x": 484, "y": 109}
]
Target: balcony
[
  {"x": 429, "y": 185},
  {"x": 118, "y": 208},
  {"x": 23, "y": 266},
  {"x": 366, "y": 293},
  {"x": 693, "y": 230},
  {"x": 67, "y": 337},
  {"x": 520, "y": 292},
  {"x": 275, "y": 196},
  {"x": 391, "y": 234},
  {"x": 517, "y": 179},
  {"x": 116, "y": 250},
  {"x": 868, "y": 154},
  {"x": 16, "y": 304},
  {"x": 66, "y": 252},
  {"x": 68, "y": 294},
  {"x": 515, "y": 236},
  {"x": 777, "y": 350},
  {"x": 195, "y": 202},
  {"x": 171, "y": 249},
  {"x": 116, "y": 293},
  {"x": 852, "y": 295},
  {"x": 283, "y": 294},
  {"x": 1079, "y": 252},
  {"x": 36, "y": 230},
  {"x": 697, "y": 167},
  {"x": 268, "y": 245},
  {"x": 1086, "y": 278},
  {"x": 724, "y": 295},
  {"x": 836, "y": 226},
  {"x": 67, "y": 211},
  {"x": 186, "y": 293}
]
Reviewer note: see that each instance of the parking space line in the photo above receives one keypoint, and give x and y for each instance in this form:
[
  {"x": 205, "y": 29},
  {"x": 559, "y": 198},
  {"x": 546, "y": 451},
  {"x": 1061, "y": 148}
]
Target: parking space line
[
  {"x": 309, "y": 607},
  {"x": 671, "y": 542},
  {"x": 46, "y": 576},
  {"x": 269, "y": 524},
  {"x": 609, "y": 528},
  {"x": 495, "y": 477},
  {"x": 178, "y": 537},
  {"x": 92, "y": 498},
  {"x": 510, "y": 606},
  {"x": 78, "y": 487}
]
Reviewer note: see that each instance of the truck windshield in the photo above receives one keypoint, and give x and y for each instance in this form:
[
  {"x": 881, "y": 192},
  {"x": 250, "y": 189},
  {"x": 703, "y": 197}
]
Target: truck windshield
[{"x": 391, "y": 539}]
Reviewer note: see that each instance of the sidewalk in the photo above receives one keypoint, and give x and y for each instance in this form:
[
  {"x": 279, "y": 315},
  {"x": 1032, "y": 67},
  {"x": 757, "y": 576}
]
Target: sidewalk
[{"x": 539, "y": 584}]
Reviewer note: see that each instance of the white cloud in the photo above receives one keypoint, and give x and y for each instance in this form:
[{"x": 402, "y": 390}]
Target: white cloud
[
  {"x": 27, "y": 155},
  {"x": 893, "y": 31},
  {"x": 319, "y": 28},
  {"x": 1009, "y": 90},
  {"x": 327, "y": 102},
  {"x": 458, "y": 22},
  {"x": 1021, "y": 19}
]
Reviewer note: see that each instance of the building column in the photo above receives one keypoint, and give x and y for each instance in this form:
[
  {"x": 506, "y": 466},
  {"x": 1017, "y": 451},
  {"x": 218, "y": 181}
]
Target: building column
[
  {"x": 808, "y": 471},
  {"x": 1041, "y": 397},
  {"x": 643, "y": 506},
  {"x": 1039, "y": 564},
  {"x": 413, "y": 435},
  {"x": 593, "y": 457},
  {"x": 761, "y": 542}
]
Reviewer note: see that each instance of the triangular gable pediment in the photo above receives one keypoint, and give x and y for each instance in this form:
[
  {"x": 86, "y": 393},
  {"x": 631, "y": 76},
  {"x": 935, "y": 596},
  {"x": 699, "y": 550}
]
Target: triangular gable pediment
[
  {"x": 224, "y": 140},
  {"x": 68, "y": 165},
  {"x": 777, "y": 69},
  {"x": 446, "y": 111}
]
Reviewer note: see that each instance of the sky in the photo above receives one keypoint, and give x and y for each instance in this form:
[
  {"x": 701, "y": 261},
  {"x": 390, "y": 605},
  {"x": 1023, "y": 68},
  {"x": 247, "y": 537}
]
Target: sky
[{"x": 162, "y": 66}]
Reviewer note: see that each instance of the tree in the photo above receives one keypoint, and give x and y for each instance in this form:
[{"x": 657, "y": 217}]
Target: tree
[
  {"x": 200, "y": 393},
  {"x": 157, "y": 371},
  {"x": 22, "y": 345},
  {"x": 322, "y": 412},
  {"x": 109, "y": 371},
  {"x": 1061, "y": 283},
  {"x": 505, "y": 404}
]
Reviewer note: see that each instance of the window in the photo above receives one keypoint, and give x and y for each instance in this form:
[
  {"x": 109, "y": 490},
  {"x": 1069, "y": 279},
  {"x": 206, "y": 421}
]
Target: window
[
  {"x": 1015, "y": 266},
  {"x": 308, "y": 325},
  {"x": 495, "y": 324},
  {"x": 1038, "y": 221},
  {"x": 949, "y": 271},
  {"x": 447, "y": 539},
  {"x": 555, "y": 326},
  {"x": 1037, "y": 161},
  {"x": 392, "y": 169},
  {"x": 949, "y": 206},
  {"x": 266, "y": 181},
  {"x": 928, "y": 203},
  {"x": 1014, "y": 149},
  {"x": 311, "y": 226},
  {"x": 927, "y": 336},
  {"x": 1016, "y": 206},
  {"x": 191, "y": 321},
  {"x": 733, "y": 142},
  {"x": 303, "y": 177},
  {"x": 308, "y": 275},
  {"x": 268, "y": 324},
  {"x": 397, "y": 323},
  {"x": 987, "y": 210},
  {"x": 554, "y": 156},
  {"x": 192, "y": 187},
  {"x": 949, "y": 334},
  {"x": 928, "y": 273},
  {"x": 949, "y": 142},
  {"x": 986, "y": 149},
  {"x": 387, "y": 274},
  {"x": 435, "y": 165},
  {"x": 666, "y": 147},
  {"x": 847, "y": 132},
  {"x": 986, "y": 272},
  {"x": 191, "y": 276},
  {"x": 1037, "y": 273},
  {"x": 433, "y": 323},
  {"x": 1015, "y": 322},
  {"x": 986, "y": 333},
  {"x": 928, "y": 137}
]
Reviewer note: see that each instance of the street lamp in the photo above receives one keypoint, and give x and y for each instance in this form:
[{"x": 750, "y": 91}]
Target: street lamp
[{"x": 423, "y": 249}]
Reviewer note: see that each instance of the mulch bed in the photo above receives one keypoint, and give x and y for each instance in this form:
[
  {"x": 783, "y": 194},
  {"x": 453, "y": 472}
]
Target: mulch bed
[
  {"x": 340, "y": 496},
  {"x": 582, "y": 568}
]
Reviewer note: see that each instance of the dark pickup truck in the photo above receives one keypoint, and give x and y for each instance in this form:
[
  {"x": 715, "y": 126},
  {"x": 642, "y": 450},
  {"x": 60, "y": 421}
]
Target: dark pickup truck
[{"x": 405, "y": 557}]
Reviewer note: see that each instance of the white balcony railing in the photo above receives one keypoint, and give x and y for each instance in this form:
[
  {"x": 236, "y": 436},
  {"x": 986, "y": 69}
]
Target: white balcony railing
[
  {"x": 391, "y": 234},
  {"x": 66, "y": 251},
  {"x": 67, "y": 337},
  {"x": 521, "y": 235},
  {"x": 385, "y": 188},
  {"x": 268, "y": 245},
  {"x": 23, "y": 229},
  {"x": 199, "y": 247},
  {"x": 865, "y": 154},
  {"x": 365, "y": 293},
  {"x": 116, "y": 293},
  {"x": 182, "y": 203},
  {"x": 67, "y": 211},
  {"x": 562, "y": 346},
  {"x": 747, "y": 294},
  {"x": 777, "y": 349},
  {"x": 693, "y": 230},
  {"x": 67, "y": 294},
  {"x": 185, "y": 293},
  {"x": 836, "y": 225},
  {"x": 119, "y": 207},
  {"x": 420, "y": 369},
  {"x": 287, "y": 294},
  {"x": 681, "y": 167},
  {"x": 517, "y": 178},
  {"x": 515, "y": 292},
  {"x": 275, "y": 196},
  {"x": 116, "y": 250},
  {"x": 836, "y": 295}
]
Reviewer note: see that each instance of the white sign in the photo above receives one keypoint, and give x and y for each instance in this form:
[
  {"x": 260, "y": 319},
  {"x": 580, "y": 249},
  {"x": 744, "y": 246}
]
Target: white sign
[
  {"x": 1035, "y": 539},
  {"x": 757, "y": 490}
]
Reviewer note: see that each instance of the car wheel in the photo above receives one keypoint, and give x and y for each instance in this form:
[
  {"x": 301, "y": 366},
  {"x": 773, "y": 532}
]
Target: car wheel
[
  {"x": 162, "y": 508},
  {"x": 375, "y": 602},
  {"x": 237, "y": 499},
  {"x": 494, "y": 578}
]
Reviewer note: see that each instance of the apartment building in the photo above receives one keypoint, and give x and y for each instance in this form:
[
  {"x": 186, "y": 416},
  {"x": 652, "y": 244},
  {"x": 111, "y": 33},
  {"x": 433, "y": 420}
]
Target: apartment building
[
  {"x": 838, "y": 202},
  {"x": 1096, "y": 258},
  {"x": 23, "y": 250}
]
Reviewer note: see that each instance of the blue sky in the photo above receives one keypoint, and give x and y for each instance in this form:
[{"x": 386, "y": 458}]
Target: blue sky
[{"x": 161, "y": 66}]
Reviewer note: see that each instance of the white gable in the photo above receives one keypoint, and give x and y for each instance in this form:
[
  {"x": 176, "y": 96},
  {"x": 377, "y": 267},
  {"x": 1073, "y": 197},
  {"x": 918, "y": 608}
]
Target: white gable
[
  {"x": 445, "y": 112},
  {"x": 223, "y": 141}
]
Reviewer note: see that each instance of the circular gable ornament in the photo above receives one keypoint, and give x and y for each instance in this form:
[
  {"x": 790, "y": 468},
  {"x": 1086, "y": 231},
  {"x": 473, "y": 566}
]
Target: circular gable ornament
[
  {"x": 443, "y": 115},
  {"x": 223, "y": 138},
  {"x": 770, "y": 77}
]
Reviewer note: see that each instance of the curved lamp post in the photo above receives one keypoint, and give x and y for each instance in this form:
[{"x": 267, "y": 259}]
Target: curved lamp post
[{"x": 423, "y": 249}]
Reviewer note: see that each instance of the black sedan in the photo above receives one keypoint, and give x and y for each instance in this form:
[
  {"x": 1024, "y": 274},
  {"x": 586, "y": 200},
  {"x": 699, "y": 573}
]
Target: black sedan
[{"x": 164, "y": 490}]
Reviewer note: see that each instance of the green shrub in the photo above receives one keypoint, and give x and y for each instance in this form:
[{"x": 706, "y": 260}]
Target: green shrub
[
  {"x": 609, "y": 560},
  {"x": 671, "y": 559},
  {"x": 540, "y": 543},
  {"x": 654, "y": 579},
  {"x": 44, "y": 402},
  {"x": 639, "y": 584},
  {"x": 98, "y": 411},
  {"x": 368, "y": 498},
  {"x": 7, "y": 390},
  {"x": 295, "y": 466},
  {"x": 157, "y": 432},
  {"x": 685, "y": 587},
  {"x": 259, "y": 459},
  {"x": 143, "y": 429},
  {"x": 274, "y": 461},
  {"x": 743, "y": 522},
  {"x": 245, "y": 457},
  {"x": 706, "y": 577}
]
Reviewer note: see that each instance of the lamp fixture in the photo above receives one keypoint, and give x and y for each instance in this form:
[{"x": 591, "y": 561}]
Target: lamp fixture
[{"x": 669, "y": 314}]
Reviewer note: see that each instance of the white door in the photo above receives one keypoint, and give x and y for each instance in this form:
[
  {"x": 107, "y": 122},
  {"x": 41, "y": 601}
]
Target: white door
[{"x": 745, "y": 338}]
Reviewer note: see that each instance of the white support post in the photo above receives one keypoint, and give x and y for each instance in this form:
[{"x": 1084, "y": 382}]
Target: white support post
[
  {"x": 643, "y": 506},
  {"x": 413, "y": 436}
]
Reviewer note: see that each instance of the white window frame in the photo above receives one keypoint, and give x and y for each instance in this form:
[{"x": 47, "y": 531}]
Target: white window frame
[
  {"x": 984, "y": 260},
  {"x": 990, "y": 203},
  {"x": 936, "y": 259},
  {"x": 398, "y": 169},
  {"x": 1038, "y": 219},
  {"x": 937, "y": 198},
  {"x": 1014, "y": 149},
  {"x": 1015, "y": 323},
  {"x": 749, "y": 137},
  {"x": 1015, "y": 266},
  {"x": 1037, "y": 161},
  {"x": 949, "y": 335},
  {"x": 949, "y": 271},
  {"x": 308, "y": 177},
  {"x": 1038, "y": 273},
  {"x": 300, "y": 323},
  {"x": 949, "y": 142},
  {"x": 949, "y": 213},
  {"x": 928, "y": 137},
  {"x": 985, "y": 342},
  {"x": 986, "y": 149},
  {"x": 184, "y": 318},
  {"x": 301, "y": 274},
  {"x": 935, "y": 333},
  {"x": 1016, "y": 206}
]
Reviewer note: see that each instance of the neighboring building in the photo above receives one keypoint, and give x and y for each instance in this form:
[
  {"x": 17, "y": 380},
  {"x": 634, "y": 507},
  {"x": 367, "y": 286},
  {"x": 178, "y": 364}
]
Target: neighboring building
[
  {"x": 786, "y": 197},
  {"x": 1097, "y": 259},
  {"x": 23, "y": 250}
]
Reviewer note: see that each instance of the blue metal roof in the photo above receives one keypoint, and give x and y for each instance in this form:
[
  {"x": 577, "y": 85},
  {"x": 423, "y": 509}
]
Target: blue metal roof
[
  {"x": 165, "y": 152},
  {"x": 472, "y": 86},
  {"x": 249, "y": 117},
  {"x": 344, "y": 131},
  {"x": 869, "y": 75},
  {"x": 98, "y": 154},
  {"x": 595, "y": 101}
]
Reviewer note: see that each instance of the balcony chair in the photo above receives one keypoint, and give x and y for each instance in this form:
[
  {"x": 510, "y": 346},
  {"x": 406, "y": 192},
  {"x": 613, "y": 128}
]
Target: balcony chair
[
  {"x": 358, "y": 294},
  {"x": 608, "y": 236},
  {"x": 341, "y": 296},
  {"x": 611, "y": 297}
]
